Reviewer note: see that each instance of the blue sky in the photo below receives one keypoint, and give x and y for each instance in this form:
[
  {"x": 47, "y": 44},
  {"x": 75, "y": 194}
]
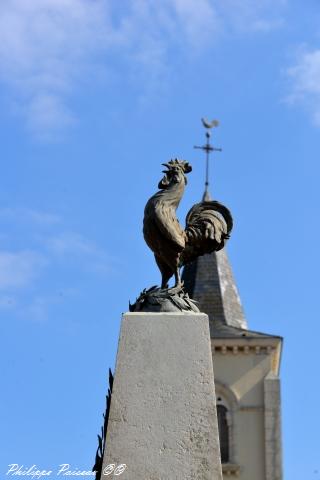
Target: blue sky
[{"x": 94, "y": 96}]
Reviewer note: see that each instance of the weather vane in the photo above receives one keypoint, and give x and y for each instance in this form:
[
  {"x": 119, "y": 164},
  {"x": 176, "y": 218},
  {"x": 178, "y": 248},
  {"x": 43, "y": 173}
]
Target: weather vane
[{"x": 208, "y": 148}]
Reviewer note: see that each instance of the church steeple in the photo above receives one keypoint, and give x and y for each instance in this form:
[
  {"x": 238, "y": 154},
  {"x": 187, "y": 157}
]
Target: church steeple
[
  {"x": 246, "y": 367},
  {"x": 209, "y": 279}
]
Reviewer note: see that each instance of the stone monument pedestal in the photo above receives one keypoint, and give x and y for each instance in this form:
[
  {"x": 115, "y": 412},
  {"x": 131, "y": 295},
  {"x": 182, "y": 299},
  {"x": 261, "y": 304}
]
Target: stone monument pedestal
[{"x": 162, "y": 421}]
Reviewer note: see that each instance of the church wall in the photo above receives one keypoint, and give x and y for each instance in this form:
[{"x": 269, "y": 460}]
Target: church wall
[
  {"x": 243, "y": 373},
  {"x": 240, "y": 384},
  {"x": 249, "y": 436},
  {"x": 272, "y": 424}
]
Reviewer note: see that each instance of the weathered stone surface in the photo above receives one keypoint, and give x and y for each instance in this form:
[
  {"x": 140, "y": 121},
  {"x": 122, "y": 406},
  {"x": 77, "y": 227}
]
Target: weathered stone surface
[{"x": 162, "y": 421}]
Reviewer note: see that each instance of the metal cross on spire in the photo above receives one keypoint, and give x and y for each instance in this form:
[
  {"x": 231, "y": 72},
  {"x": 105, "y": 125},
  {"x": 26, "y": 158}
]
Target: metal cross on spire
[{"x": 208, "y": 148}]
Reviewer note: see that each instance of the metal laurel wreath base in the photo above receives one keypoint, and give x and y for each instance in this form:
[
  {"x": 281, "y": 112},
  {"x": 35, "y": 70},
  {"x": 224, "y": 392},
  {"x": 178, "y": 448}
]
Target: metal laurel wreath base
[{"x": 102, "y": 438}]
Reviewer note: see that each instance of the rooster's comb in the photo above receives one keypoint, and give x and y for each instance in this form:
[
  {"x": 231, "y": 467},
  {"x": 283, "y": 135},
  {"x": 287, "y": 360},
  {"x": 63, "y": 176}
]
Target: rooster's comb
[{"x": 176, "y": 163}]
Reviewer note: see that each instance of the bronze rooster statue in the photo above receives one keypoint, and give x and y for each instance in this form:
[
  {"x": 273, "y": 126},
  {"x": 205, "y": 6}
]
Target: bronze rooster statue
[{"x": 208, "y": 225}]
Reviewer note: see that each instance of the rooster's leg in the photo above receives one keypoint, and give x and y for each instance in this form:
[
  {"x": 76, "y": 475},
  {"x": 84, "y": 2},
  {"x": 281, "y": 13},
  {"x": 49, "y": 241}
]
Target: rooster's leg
[
  {"x": 166, "y": 271},
  {"x": 164, "y": 282},
  {"x": 177, "y": 278}
]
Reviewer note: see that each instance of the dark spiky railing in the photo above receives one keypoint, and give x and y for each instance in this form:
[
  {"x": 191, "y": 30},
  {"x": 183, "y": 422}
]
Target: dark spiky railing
[{"x": 102, "y": 438}]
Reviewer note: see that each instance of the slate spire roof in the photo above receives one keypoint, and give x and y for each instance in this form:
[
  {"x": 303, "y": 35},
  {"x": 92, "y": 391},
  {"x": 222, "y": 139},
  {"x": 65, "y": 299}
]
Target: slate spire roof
[{"x": 209, "y": 281}]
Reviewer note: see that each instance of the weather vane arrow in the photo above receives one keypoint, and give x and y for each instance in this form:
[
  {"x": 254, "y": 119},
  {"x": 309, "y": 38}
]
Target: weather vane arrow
[{"x": 208, "y": 148}]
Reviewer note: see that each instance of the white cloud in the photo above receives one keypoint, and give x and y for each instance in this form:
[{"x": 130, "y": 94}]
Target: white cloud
[
  {"x": 26, "y": 275},
  {"x": 265, "y": 26},
  {"x": 47, "y": 113},
  {"x": 48, "y": 235},
  {"x": 50, "y": 48},
  {"x": 70, "y": 245},
  {"x": 18, "y": 269},
  {"x": 67, "y": 243},
  {"x": 198, "y": 21},
  {"x": 23, "y": 214},
  {"x": 252, "y": 15},
  {"x": 37, "y": 310},
  {"x": 40, "y": 217},
  {"x": 44, "y": 46},
  {"x": 305, "y": 82}
]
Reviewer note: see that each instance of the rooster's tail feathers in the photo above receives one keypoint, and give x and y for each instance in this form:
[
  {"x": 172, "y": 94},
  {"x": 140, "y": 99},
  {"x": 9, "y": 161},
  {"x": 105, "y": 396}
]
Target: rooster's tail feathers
[{"x": 208, "y": 225}]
